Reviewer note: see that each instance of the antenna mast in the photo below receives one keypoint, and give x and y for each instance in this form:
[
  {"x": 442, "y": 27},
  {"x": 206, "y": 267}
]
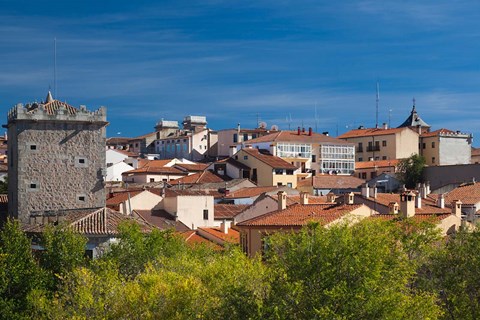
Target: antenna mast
[
  {"x": 316, "y": 122},
  {"x": 377, "y": 100},
  {"x": 55, "y": 67}
]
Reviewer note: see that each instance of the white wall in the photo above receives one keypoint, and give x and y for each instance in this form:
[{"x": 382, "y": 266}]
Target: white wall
[
  {"x": 142, "y": 201},
  {"x": 113, "y": 156},
  {"x": 190, "y": 210},
  {"x": 114, "y": 173}
]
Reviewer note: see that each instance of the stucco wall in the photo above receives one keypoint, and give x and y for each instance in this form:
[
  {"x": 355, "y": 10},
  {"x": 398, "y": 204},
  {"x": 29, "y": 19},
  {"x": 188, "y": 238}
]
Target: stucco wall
[
  {"x": 454, "y": 150},
  {"x": 439, "y": 176},
  {"x": 190, "y": 211}
]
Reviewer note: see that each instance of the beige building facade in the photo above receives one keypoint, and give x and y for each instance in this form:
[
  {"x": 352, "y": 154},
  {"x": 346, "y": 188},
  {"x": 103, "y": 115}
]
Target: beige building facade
[
  {"x": 374, "y": 144},
  {"x": 446, "y": 147}
]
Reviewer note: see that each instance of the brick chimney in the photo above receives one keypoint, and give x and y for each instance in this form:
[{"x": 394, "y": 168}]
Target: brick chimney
[
  {"x": 407, "y": 204},
  {"x": 310, "y": 131},
  {"x": 303, "y": 197},
  {"x": 393, "y": 208},
  {"x": 298, "y": 131},
  {"x": 457, "y": 208},
  {"x": 365, "y": 190},
  {"x": 349, "y": 198},
  {"x": 282, "y": 200},
  {"x": 331, "y": 197}
]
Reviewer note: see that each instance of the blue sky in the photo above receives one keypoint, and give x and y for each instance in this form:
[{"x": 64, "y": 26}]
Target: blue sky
[{"x": 232, "y": 60}]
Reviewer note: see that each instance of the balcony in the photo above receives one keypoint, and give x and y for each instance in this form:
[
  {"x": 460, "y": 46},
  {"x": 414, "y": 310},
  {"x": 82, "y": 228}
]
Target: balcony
[
  {"x": 359, "y": 149},
  {"x": 373, "y": 148}
]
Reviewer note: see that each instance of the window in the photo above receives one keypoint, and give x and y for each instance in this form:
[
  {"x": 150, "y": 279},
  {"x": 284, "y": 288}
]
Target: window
[
  {"x": 81, "y": 198},
  {"x": 279, "y": 184},
  {"x": 360, "y": 147},
  {"x": 373, "y": 175},
  {"x": 364, "y": 175},
  {"x": 205, "y": 214},
  {"x": 278, "y": 171},
  {"x": 289, "y": 172},
  {"x": 384, "y": 143},
  {"x": 245, "y": 136},
  {"x": 314, "y": 172},
  {"x": 433, "y": 144},
  {"x": 33, "y": 147},
  {"x": 152, "y": 179},
  {"x": 81, "y": 161},
  {"x": 254, "y": 135},
  {"x": 235, "y": 138},
  {"x": 423, "y": 145},
  {"x": 314, "y": 158},
  {"x": 245, "y": 157},
  {"x": 433, "y": 159},
  {"x": 289, "y": 184},
  {"x": 360, "y": 159},
  {"x": 384, "y": 158},
  {"x": 33, "y": 186}
]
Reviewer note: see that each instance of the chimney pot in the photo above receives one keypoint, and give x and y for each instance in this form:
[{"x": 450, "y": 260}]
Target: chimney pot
[
  {"x": 282, "y": 200},
  {"x": 303, "y": 198}
]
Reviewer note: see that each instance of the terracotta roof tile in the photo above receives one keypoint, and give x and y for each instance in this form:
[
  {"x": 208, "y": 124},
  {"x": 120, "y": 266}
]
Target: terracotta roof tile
[
  {"x": 468, "y": 194},
  {"x": 429, "y": 205},
  {"x": 200, "y": 177},
  {"x": 311, "y": 199},
  {"x": 437, "y": 133},
  {"x": 161, "y": 219},
  {"x": 121, "y": 197},
  {"x": 376, "y": 164},
  {"x": 331, "y": 182},
  {"x": 475, "y": 151},
  {"x": 193, "y": 239},
  {"x": 192, "y": 167},
  {"x": 228, "y": 211},
  {"x": 368, "y": 132},
  {"x": 52, "y": 106},
  {"x": 190, "y": 192},
  {"x": 156, "y": 170},
  {"x": 250, "y": 192},
  {"x": 233, "y": 236},
  {"x": 298, "y": 215},
  {"x": 269, "y": 159},
  {"x": 95, "y": 221}
]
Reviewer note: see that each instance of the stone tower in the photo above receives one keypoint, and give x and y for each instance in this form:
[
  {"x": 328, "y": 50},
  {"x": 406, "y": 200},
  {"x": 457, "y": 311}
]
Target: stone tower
[{"x": 56, "y": 158}]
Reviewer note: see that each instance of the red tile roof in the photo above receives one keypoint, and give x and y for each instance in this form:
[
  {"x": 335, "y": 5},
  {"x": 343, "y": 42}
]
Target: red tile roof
[
  {"x": 331, "y": 182},
  {"x": 228, "y": 211},
  {"x": 192, "y": 167},
  {"x": 127, "y": 153},
  {"x": 200, "y": 177},
  {"x": 193, "y": 239},
  {"x": 376, "y": 164},
  {"x": 189, "y": 192},
  {"x": 417, "y": 217},
  {"x": 437, "y": 133},
  {"x": 298, "y": 215},
  {"x": 468, "y": 194},
  {"x": 121, "y": 197},
  {"x": 292, "y": 136},
  {"x": 311, "y": 199},
  {"x": 54, "y": 105},
  {"x": 161, "y": 219},
  {"x": 233, "y": 236},
  {"x": 368, "y": 132},
  {"x": 157, "y": 170},
  {"x": 96, "y": 221},
  {"x": 269, "y": 159},
  {"x": 251, "y": 192},
  {"x": 429, "y": 205}
]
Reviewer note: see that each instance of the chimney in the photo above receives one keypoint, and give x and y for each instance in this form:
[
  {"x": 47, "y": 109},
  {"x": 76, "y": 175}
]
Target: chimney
[
  {"x": 303, "y": 130},
  {"x": 373, "y": 191},
  {"x": 441, "y": 201},
  {"x": 310, "y": 131},
  {"x": 427, "y": 185},
  {"x": 385, "y": 126},
  {"x": 273, "y": 150},
  {"x": 282, "y": 200},
  {"x": 232, "y": 151},
  {"x": 407, "y": 204},
  {"x": 365, "y": 190},
  {"x": 418, "y": 201},
  {"x": 298, "y": 131},
  {"x": 393, "y": 208},
  {"x": 424, "y": 191},
  {"x": 349, "y": 198},
  {"x": 225, "y": 225},
  {"x": 457, "y": 208},
  {"x": 303, "y": 197},
  {"x": 331, "y": 197}
]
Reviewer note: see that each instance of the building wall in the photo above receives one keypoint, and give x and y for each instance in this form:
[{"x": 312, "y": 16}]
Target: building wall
[
  {"x": 114, "y": 172},
  {"x": 439, "y": 176},
  {"x": 265, "y": 205},
  {"x": 454, "y": 150},
  {"x": 406, "y": 144},
  {"x": 54, "y": 167},
  {"x": 190, "y": 211},
  {"x": 145, "y": 177},
  {"x": 113, "y": 156},
  {"x": 429, "y": 149},
  {"x": 142, "y": 201}
]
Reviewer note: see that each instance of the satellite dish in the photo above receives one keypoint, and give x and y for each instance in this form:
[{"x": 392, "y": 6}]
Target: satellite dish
[
  {"x": 262, "y": 125},
  {"x": 274, "y": 128}
]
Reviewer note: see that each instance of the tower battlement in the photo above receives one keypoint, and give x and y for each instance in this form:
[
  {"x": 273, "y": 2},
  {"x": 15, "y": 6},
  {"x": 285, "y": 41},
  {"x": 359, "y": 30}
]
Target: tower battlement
[{"x": 56, "y": 110}]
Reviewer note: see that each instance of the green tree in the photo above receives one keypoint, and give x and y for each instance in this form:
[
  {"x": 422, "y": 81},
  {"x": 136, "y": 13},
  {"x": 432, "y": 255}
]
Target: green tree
[
  {"x": 64, "y": 250},
  {"x": 19, "y": 272},
  {"x": 4, "y": 186},
  {"x": 357, "y": 272},
  {"x": 410, "y": 170},
  {"x": 455, "y": 273}
]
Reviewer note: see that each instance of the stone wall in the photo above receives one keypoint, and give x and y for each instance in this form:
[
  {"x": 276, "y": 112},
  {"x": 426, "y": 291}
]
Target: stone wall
[{"x": 59, "y": 165}]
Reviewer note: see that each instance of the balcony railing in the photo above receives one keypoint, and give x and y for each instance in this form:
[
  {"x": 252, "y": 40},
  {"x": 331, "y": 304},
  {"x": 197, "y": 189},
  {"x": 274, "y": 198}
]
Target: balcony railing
[{"x": 373, "y": 148}]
